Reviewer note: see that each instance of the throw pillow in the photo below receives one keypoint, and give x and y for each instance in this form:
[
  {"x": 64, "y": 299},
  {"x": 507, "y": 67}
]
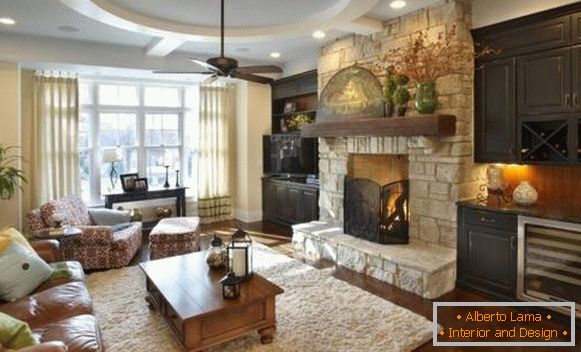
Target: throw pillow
[
  {"x": 14, "y": 235},
  {"x": 108, "y": 217},
  {"x": 22, "y": 272},
  {"x": 14, "y": 333}
]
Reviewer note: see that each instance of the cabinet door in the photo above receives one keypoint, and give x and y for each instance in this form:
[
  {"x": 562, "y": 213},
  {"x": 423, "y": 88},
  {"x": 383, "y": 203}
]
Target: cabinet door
[
  {"x": 576, "y": 24},
  {"x": 576, "y": 68},
  {"x": 268, "y": 199},
  {"x": 280, "y": 201},
  {"x": 544, "y": 82},
  {"x": 292, "y": 204},
  {"x": 495, "y": 100},
  {"x": 309, "y": 205},
  {"x": 488, "y": 260}
]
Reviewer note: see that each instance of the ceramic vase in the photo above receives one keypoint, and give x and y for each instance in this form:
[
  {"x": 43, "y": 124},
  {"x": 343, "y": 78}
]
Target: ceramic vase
[
  {"x": 525, "y": 194},
  {"x": 426, "y": 98}
]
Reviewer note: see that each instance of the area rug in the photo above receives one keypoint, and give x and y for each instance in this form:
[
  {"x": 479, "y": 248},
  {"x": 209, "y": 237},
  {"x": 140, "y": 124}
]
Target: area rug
[{"x": 316, "y": 313}]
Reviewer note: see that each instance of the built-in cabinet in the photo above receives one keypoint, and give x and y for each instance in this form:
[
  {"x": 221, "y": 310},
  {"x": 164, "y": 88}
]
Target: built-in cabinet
[
  {"x": 287, "y": 198},
  {"x": 528, "y": 95},
  {"x": 287, "y": 202},
  {"x": 487, "y": 252}
]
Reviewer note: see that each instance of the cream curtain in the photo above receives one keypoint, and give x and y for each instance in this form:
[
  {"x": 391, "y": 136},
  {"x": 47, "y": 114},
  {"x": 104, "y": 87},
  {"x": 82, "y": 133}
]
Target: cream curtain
[
  {"x": 55, "y": 129},
  {"x": 216, "y": 114}
]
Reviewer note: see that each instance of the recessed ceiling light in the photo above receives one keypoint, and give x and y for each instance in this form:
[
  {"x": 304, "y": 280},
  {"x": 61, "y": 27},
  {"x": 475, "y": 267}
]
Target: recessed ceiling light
[
  {"x": 275, "y": 55},
  {"x": 319, "y": 34},
  {"x": 7, "y": 21},
  {"x": 68, "y": 29},
  {"x": 397, "y": 4}
]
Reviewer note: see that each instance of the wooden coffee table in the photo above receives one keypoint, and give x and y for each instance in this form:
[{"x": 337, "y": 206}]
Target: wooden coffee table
[{"x": 189, "y": 297}]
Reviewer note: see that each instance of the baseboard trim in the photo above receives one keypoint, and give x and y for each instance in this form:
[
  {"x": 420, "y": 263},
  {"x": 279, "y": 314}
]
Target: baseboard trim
[{"x": 248, "y": 215}]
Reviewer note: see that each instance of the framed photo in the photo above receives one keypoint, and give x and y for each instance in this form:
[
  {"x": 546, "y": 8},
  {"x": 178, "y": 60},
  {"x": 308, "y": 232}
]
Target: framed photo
[
  {"x": 128, "y": 182},
  {"x": 141, "y": 185}
]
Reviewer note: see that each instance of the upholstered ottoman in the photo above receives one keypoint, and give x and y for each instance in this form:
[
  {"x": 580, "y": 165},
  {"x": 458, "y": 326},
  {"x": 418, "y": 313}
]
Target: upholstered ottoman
[{"x": 174, "y": 236}]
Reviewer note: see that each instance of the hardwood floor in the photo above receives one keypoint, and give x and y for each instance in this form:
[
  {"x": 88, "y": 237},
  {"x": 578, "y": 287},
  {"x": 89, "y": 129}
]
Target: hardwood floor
[{"x": 279, "y": 238}]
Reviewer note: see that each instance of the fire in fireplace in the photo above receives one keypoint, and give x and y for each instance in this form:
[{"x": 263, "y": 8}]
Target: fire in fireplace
[{"x": 377, "y": 213}]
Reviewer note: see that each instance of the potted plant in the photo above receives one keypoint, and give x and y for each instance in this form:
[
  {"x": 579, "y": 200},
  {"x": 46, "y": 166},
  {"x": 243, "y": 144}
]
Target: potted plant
[
  {"x": 295, "y": 123},
  {"x": 424, "y": 61},
  {"x": 11, "y": 178},
  {"x": 388, "y": 89},
  {"x": 401, "y": 97}
]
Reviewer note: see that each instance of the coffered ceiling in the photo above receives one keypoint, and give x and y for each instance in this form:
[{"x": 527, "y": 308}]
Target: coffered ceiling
[{"x": 254, "y": 28}]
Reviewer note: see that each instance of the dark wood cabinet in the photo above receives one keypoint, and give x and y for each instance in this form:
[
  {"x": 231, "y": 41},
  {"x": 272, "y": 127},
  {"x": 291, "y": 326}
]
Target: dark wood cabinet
[
  {"x": 286, "y": 202},
  {"x": 487, "y": 252},
  {"x": 529, "y": 113},
  {"x": 544, "y": 82},
  {"x": 495, "y": 111},
  {"x": 301, "y": 84},
  {"x": 576, "y": 28}
]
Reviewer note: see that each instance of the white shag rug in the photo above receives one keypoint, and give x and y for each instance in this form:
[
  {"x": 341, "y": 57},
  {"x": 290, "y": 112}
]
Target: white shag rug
[{"x": 315, "y": 313}]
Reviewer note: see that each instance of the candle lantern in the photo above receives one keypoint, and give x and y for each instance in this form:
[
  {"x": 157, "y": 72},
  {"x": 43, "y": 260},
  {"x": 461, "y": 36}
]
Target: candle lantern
[
  {"x": 240, "y": 255},
  {"x": 230, "y": 286},
  {"x": 216, "y": 255}
]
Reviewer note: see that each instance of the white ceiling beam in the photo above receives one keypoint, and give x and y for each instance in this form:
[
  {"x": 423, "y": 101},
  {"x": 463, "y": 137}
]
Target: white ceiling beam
[
  {"x": 364, "y": 25},
  {"x": 163, "y": 46}
]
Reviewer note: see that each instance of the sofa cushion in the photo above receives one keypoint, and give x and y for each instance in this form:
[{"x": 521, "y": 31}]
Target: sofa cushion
[
  {"x": 72, "y": 208},
  {"x": 22, "y": 272},
  {"x": 108, "y": 217},
  {"x": 51, "y": 305},
  {"x": 63, "y": 272},
  {"x": 14, "y": 333},
  {"x": 79, "y": 333}
]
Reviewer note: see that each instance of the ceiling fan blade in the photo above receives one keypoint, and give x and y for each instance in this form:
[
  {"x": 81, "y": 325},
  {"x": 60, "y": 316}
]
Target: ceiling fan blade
[
  {"x": 208, "y": 81},
  {"x": 186, "y": 72},
  {"x": 252, "y": 78},
  {"x": 259, "y": 69},
  {"x": 205, "y": 64}
]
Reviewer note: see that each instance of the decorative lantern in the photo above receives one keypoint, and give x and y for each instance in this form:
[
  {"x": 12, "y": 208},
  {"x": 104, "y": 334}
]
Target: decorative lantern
[
  {"x": 230, "y": 286},
  {"x": 240, "y": 255},
  {"x": 216, "y": 255}
]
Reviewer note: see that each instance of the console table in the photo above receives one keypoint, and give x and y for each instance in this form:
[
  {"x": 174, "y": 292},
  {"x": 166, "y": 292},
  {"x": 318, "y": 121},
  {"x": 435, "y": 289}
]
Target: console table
[{"x": 178, "y": 193}]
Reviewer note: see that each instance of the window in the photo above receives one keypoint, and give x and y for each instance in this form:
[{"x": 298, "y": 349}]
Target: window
[{"x": 150, "y": 126}]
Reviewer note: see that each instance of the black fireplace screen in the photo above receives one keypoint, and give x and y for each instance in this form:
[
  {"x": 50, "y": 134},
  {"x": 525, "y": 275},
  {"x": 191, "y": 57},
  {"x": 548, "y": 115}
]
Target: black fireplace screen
[{"x": 377, "y": 213}]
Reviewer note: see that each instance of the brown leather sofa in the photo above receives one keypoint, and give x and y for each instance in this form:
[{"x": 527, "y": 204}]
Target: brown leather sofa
[{"x": 59, "y": 312}]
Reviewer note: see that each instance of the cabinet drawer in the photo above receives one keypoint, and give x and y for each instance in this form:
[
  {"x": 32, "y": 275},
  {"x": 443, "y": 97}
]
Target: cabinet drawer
[{"x": 500, "y": 221}]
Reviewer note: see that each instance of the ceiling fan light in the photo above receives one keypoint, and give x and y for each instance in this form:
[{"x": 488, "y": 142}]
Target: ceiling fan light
[{"x": 210, "y": 80}]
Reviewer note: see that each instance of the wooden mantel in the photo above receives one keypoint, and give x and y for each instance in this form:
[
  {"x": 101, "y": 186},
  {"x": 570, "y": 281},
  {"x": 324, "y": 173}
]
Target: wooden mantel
[{"x": 421, "y": 125}]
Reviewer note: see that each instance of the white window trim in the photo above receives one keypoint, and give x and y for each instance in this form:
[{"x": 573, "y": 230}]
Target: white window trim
[{"x": 140, "y": 110}]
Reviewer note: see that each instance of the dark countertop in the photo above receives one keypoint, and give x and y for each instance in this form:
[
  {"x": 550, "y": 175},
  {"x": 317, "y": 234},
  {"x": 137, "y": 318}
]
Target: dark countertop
[{"x": 560, "y": 212}]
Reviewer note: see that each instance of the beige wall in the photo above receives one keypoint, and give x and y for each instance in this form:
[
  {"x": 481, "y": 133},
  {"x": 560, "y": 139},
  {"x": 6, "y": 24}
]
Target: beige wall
[
  {"x": 10, "y": 213},
  {"x": 253, "y": 109},
  {"x": 487, "y": 12}
]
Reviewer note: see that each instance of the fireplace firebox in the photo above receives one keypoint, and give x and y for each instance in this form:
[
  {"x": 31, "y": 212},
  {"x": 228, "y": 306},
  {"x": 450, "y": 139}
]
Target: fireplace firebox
[{"x": 377, "y": 213}]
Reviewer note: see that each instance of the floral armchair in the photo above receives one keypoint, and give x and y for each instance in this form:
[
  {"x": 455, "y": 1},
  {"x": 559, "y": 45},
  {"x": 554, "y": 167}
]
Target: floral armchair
[{"x": 98, "y": 247}]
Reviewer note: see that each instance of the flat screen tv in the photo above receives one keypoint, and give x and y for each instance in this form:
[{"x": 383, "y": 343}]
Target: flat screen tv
[{"x": 289, "y": 154}]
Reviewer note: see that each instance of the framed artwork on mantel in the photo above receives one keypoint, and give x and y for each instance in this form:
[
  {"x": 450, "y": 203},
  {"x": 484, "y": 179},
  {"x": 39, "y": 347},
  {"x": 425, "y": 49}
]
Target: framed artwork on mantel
[{"x": 352, "y": 93}]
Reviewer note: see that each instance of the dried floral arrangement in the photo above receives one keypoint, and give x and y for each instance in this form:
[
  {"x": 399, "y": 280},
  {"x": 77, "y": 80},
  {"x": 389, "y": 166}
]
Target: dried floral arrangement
[
  {"x": 425, "y": 60},
  {"x": 296, "y": 122}
]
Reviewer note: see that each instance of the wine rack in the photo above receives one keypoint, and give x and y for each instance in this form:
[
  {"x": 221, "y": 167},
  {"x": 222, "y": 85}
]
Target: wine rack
[{"x": 545, "y": 141}]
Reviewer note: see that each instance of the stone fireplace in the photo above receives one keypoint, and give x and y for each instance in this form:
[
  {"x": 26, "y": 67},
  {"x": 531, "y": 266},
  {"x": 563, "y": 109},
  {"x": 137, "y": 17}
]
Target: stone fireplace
[
  {"x": 440, "y": 170},
  {"x": 376, "y": 205}
]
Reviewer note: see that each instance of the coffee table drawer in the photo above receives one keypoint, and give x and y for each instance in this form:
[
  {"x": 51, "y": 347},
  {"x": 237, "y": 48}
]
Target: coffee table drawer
[{"x": 234, "y": 319}]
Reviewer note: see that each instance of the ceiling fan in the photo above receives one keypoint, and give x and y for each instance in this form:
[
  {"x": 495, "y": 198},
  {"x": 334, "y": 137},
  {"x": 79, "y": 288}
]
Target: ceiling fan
[{"x": 228, "y": 67}]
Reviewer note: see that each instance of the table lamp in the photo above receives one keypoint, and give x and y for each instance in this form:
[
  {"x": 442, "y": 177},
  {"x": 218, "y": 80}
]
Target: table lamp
[{"x": 112, "y": 156}]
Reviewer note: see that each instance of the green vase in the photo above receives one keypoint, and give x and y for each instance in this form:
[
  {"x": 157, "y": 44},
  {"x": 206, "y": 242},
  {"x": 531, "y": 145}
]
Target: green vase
[{"x": 426, "y": 97}]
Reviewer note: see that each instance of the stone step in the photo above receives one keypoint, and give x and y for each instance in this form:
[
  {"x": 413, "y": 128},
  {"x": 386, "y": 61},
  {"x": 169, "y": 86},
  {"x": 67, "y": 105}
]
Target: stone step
[{"x": 425, "y": 269}]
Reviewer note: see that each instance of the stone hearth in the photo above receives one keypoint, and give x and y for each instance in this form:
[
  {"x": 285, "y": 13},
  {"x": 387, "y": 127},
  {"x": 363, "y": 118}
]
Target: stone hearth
[
  {"x": 427, "y": 271},
  {"x": 441, "y": 170}
]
